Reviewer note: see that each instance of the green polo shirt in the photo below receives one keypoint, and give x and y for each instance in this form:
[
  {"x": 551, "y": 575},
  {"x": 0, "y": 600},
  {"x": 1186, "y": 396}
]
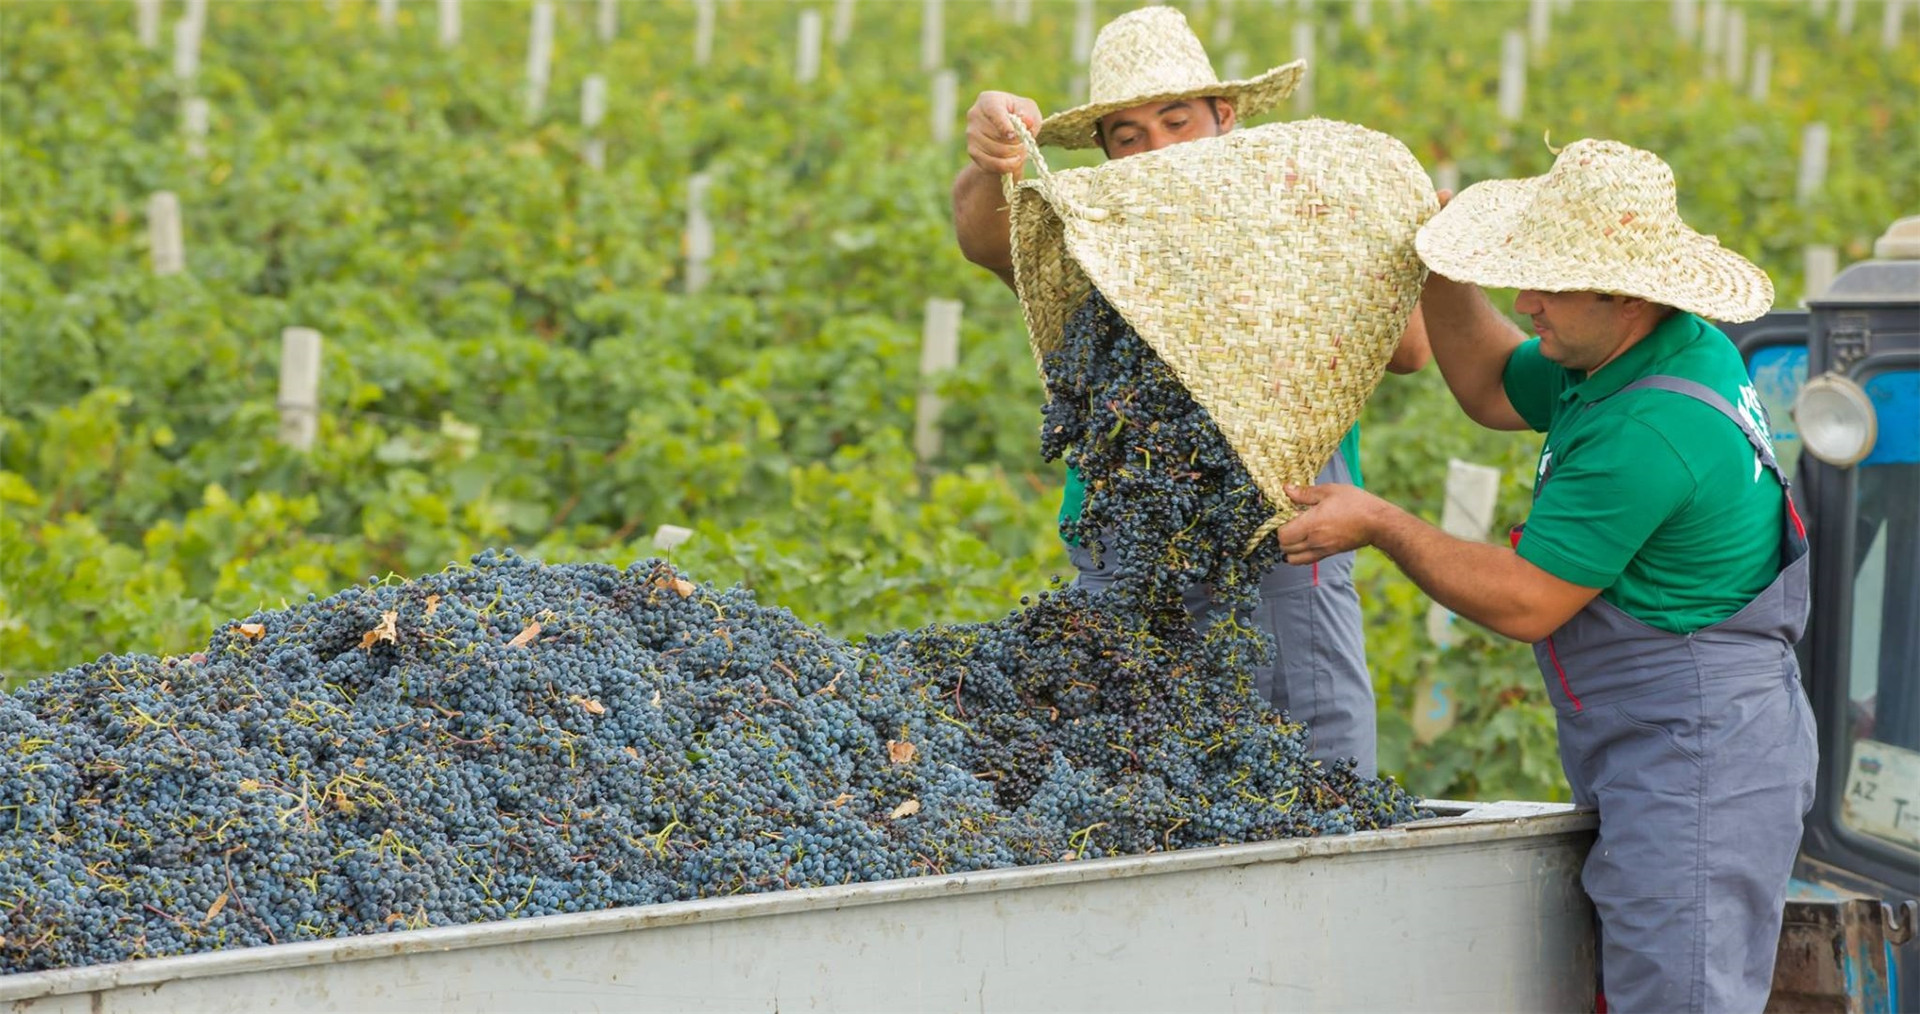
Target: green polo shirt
[
  {"x": 1653, "y": 497},
  {"x": 1074, "y": 497}
]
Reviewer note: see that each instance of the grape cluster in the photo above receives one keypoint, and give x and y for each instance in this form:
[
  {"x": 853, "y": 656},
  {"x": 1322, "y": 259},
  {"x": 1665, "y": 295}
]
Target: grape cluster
[{"x": 511, "y": 739}]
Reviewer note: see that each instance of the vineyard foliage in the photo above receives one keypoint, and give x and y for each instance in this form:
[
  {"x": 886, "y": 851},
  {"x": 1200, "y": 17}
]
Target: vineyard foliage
[{"x": 512, "y": 358}]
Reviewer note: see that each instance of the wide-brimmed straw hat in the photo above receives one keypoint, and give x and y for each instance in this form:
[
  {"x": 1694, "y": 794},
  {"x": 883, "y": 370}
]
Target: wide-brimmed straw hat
[
  {"x": 1151, "y": 55},
  {"x": 1603, "y": 219},
  {"x": 1272, "y": 268}
]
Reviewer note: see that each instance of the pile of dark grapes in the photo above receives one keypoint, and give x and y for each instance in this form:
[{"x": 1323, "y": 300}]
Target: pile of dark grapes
[{"x": 512, "y": 739}]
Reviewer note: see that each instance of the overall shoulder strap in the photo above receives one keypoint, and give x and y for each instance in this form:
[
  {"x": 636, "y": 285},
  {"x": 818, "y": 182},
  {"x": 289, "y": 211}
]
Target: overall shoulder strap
[{"x": 1711, "y": 398}]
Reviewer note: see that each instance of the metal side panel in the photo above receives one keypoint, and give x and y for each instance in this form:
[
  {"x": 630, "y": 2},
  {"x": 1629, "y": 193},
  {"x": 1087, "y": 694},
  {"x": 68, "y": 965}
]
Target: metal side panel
[{"x": 1466, "y": 912}]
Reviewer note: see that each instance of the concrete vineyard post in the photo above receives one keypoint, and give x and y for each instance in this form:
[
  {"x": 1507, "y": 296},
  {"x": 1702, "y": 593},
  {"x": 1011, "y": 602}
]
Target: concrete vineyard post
[
  {"x": 1761, "y": 79},
  {"x": 1002, "y": 10},
  {"x": 667, "y": 538},
  {"x": 699, "y": 237},
  {"x": 1082, "y": 32},
  {"x": 146, "y": 17},
  {"x": 606, "y": 20},
  {"x": 1472, "y": 491},
  {"x": 388, "y": 13},
  {"x": 939, "y": 352},
  {"x": 1712, "y": 30},
  {"x": 449, "y": 23},
  {"x": 842, "y": 22},
  {"x": 1223, "y": 29},
  {"x": 186, "y": 51},
  {"x": 704, "y": 12},
  {"x": 1513, "y": 75},
  {"x": 1736, "y": 47},
  {"x": 806, "y": 57},
  {"x": 1820, "y": 8},
  {"x": 1821, "y": 263},
  {"x": 1813, "y": 162},
  {"x": 1303, "y": 50},
  {"x": 1446, "y": 176},
  {"x": 1890, "y": 24},
  {"x": 593, "y": 109},
  {"x": 1686, "y": 20},
  {"x": 1363, "y": 13},
  {"x": 166, "y": 243},
  {"x": 539, "y": 57},
  {"x": 1843, "y": 21},
  {"x": 1235, "y": 66},
  {"x": 1539, "y": 25},
  {"x": 299, "y": 387},
  {"x": 946, "y": 101},
  {"x": 194, "y": 116},
  {"x": 1022, "y": 12},
  {"x": 933, "y": 32},
  {"x": 197, "y": 13}
]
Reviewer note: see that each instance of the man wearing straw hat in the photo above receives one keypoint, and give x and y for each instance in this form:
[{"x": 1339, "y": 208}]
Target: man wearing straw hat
[
  {"x": 1151, "y": 86},
  {"x": 1662, "y": 573}
]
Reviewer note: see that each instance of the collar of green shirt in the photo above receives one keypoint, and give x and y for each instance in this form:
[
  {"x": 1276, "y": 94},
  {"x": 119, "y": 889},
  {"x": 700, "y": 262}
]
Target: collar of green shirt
[{"x": 1671, "y": 335}]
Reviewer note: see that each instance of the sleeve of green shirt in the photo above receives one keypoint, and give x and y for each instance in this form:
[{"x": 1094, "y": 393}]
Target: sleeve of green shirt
[
  {"x": 1533, "y": 382},
  {"x": 1603, "y": 500}
]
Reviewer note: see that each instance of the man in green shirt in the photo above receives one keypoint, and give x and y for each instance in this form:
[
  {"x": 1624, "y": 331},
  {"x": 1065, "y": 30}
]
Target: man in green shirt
[
  {"x": 1152, "y": 85},
  {"x": 1662, "y": 573}
]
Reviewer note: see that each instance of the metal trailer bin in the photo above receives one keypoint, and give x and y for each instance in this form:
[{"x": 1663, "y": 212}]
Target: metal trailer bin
[{"x": 1478, "y": 909}]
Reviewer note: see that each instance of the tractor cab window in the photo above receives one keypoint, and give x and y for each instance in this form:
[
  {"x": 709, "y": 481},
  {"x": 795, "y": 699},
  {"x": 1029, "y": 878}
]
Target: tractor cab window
[{"x": 1882, "y": 737}]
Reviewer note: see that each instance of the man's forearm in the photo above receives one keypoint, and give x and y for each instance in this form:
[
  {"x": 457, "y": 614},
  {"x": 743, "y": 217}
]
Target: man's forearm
[
  {"x": 981, "y": 222},
  {"x": 1471, "y": 344},
  {"x": 1488, "y": 584}
]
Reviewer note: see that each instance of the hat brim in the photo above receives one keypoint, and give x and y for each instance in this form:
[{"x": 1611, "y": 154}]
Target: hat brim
[
  {"x": 1481, "y": 237},
  {"x": 1074, "y": 128}
]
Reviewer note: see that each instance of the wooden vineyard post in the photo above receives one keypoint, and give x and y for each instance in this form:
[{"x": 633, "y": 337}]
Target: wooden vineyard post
[
  {"x": 194, "y": 116},
  {"x": 933, "y": 35},
  {"x": 449, "y": 23},
  {"x": 1761, "y": 79},
  {"x": 146, "y": 19},
  {"x": 842, "y": 22},
  {"x": 1821, "y": 263},
  {"x": 699, "y": 236},
  {"x": 1303, "y": 50},
  {"x": 1813, "y": 162},
  {"x": 704, "y": 12},
  {"x": 946, "y": 100},
  {"x": 299, "y": 387},
  {"x": 539, "y": 57},
  {"x": 166, "y": 244},
  {"x": 939, "y": 353},
  {"x": 593, "y": 109},
  {"x": 1513, "y": 75},
  {"x": 1472, "y": 492},
  {"x": 806, "y": 57}
]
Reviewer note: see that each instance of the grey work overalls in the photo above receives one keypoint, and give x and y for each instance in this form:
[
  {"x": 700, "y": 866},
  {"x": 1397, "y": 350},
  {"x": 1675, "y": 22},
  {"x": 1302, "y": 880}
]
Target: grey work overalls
[
  {"x": 1699, "y": 751},
  {"x": 1319, "y": 671}
]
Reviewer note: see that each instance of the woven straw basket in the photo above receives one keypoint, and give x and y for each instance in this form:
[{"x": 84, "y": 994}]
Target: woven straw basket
[{"x": 1272, "y": 268}]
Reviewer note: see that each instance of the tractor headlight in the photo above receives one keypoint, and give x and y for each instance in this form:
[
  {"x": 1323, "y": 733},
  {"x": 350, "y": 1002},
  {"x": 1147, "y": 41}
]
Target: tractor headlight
[{"x": 1836, "y": 420}]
